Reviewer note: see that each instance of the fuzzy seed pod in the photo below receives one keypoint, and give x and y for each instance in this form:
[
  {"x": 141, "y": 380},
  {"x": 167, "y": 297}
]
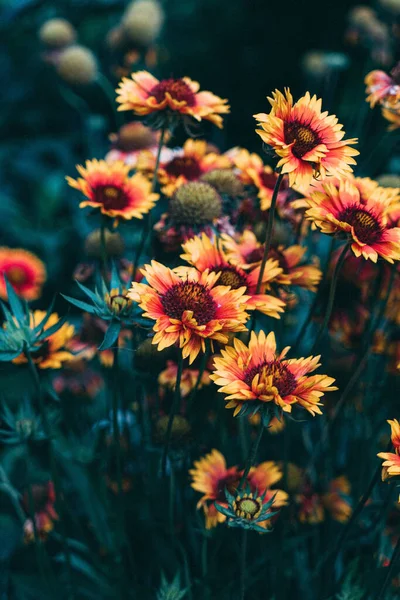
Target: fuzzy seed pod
[
  {"x": 57, "y": 33},
  {"x": 195, "y": 203},
  {"x": 77, "y": 65},
  {"x": 224, "y": 181},
  {"x": 142, "y": 21},
  {"x": 114, "y": 244}
]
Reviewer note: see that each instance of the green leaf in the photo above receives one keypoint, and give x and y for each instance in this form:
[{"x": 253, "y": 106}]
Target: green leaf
[
  {"x": 15, "y": 302},
  {"x": 111, "y": 335},
  {"x": 83, "y": 305}
]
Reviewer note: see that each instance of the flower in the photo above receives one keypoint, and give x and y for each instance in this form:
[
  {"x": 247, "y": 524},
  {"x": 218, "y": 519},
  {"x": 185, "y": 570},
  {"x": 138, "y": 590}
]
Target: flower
[
  {"x": 339, "y": 207},
  {"x": 247, "y": 253},
  {"x": 57, "y": 33},
  {"x": 114, "y": 244},
  {"x": 393, "y": 117},
  {"x": 253, "y": 172},
  {"x": 212, "y": 478},
  {"x": 189, "y": 308},
  {"x": 253, "y": 376},
  {"x": 25, "y": 271},
  {"x": 188, "y": 165},
  {"x": 308, "y": 141},
  {"x": 167, "y": 379},
  {"x": 77, "y": 65},
  {"x": 204, "y": 254},
  {"x": 44, "y": 498},
  {"x": 337, "y": 499},
  {"x": 383, "y": 89},
  {"x": 312, "y": 505},
  {"x": 248, "y": 510},
  {"x": 108, "y": 187},
  {"x": 142, "y": 21},
  {"x": 391, "y": 466},
  {"x": 50, "y": 352},
  {"x": 144, "y": 94},
  {"x": 225, "y": 181},
  {"x": 195, "y": 204}
]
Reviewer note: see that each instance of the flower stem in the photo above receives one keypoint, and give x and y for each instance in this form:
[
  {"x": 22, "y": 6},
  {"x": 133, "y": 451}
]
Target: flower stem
[
  {"x": 331, "y": 298},
  {"x": 203, "y": 364},
  {"x": 252, "y": 455},
  {"x": 268, "y": 232},
  {"x": 103, "y": 247},
  {"x": 390, "y": 571},
  {"x": 147, "y": 218},
  {"x": 174, "y": 410},
  {"x": 41, "y": 556},
  {"x": 59, "y": 502},
  {"x": 243, "y": 553}
]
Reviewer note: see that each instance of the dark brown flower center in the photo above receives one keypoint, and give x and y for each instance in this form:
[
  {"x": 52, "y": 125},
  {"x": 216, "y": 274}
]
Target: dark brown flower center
[
  {"x": 366, "y": 226},
  {"x": 16, "y": 275},
  {"x": 176, "y": 88},
  {"x": 301, "y": 136},
  {"x": 276, "y": 254},
  {"x": 268, "y": 179},
  {"x": 230, "y": 483},
  {"x": 231, "y": 276},
  {"x": 282, "y": 378},
  {"x": 187, "y": 166},
  {"x": 255, "y": 255},
  {"x": 191, "y": 296},
  {"x": 111, "y": 197}
]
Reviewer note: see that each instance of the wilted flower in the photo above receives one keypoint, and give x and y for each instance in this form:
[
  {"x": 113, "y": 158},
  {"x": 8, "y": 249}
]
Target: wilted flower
[
  {"x": 384, "y": 89},
  {"x": 57, "y": 33},
  {"x": 131, "y": 140},
  {"x": 253, "y": 377},
  {"x": 391, "y": 466},
  {"x": 393, "y": 116},
  {"x": 167, "y": 379},
  {"x": 308, "y": 142},
  {"x": 44, "y": 498},
  {"x": 205, "y": 255},
  {"x": 189, "y": 308},
  {"x": 312, "y": 505},
  {"x": 77, "y": 65},
  {"x": 144, "y": 95},
  {"x": 24, "y": 271},
  {"x": 108, "y": 187}
]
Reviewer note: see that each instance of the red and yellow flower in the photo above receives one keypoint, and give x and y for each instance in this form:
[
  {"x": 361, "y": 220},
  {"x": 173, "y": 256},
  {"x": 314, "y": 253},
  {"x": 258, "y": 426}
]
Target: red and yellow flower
[
  {"x": 204, "y": 254},
  {"x": 44, "y": 498},
  {"x": 254, "y": 376},
  {"x": 108, "y": 187},
  {"x": 309, "y": 142},
  {"x": 383, "y": 88},
  {"x": 337, "y": 499},
  {"x": 51, "y": 352},
  {"x": 189, "y": 308},
  {"x": 338, "y": 207},
  {"x": 190, "y": 164},
  {"x": 247, "y": 253},
  {"x": 393, "y": 116},
  {"x": 25, "y": 271},
  {"x": 167, "y": 379},
  {"x": 144, "y": 95},
  {"x": 391, "y": 465},
  {"x": 211, "y": 477}
]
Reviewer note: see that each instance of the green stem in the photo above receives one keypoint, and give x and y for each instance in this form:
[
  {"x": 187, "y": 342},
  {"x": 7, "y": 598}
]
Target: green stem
[
  {"x": 390, "y": 571},
  {"x": 243, "y": 553},
  {"x": 116, "y": 441},
  {"x": 268, "y": 233},
  {"x": 174, "y": 410},
  {"x": 202, "y": 368},
  {"x": 54, "y": 472},
  {"x": 331, "y": 298},
  {"x": 252, "y": 455},
  {"x": 103, "y": 247},
  {"x": 147, "y": 219}
]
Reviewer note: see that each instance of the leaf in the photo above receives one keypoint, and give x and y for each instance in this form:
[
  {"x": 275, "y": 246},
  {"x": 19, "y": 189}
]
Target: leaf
[
  {"x": 83, "y": 305},
  {"x": 15, "y": 302},
  {"x": 11, "y": 536},
  {"x": 46, "y": 316},
  {"x": 7, "y": 356},
  {"x": 46, "y": 333},
  {"x": 111, "y": 335},
  {"x": 115, "y": 281},
  {"x": 94, "y": 298}
]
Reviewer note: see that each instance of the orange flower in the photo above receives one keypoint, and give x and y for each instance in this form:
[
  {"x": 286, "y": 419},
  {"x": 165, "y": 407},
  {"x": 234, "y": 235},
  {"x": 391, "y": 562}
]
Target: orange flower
[
  {"x": 189, "y": 308},
  {"x": 43, "y": 503},
  {"x": 167, "y": 379},
  {"x": 144, "y": 94},
  {"x": 51, "y": 353},
  {"x": 391, "y": 466},
  {"x": 204, "y": 254},
  {"x": 108, "y": 187},
  {"x": 337, "y": 499},
  {"x": 24, "y": 271},
  {"x": 247, "y": 253},
  {"x": 383, "y": 88},
  {"x": 187, "y": 165},
  {"x": 253, "y": 376},
  {"x": 308, "y": 141},
  {"x": 254, "y": 172},
  {"x": 393, "y": 117},
  {"x": 338, "y": 207},
  {"x": 211, "y": 477}
]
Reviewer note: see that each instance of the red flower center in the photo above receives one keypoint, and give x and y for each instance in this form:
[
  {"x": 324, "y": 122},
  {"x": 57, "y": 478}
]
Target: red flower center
[
  {"x": 268, "y": 180},
  {"x": 301, "y": 136},
  {"x": 111, "y": 197},
  {"x": 192, "y": 296},
  {"x": 366, "y": 226},
  {"x": 176, "y": 88},
  {"x": 231, "y": 276},
  {"x": 187, "y": 166},
  {"x": 282, "y": 378},
  {"x": 255, "y": 255},
  {"x": 16, "y": 275},
  {"x": 230, "y": 483}
]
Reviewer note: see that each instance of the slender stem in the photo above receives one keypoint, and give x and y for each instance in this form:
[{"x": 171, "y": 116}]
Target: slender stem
[
  {"x": 390, "y": 571},
  {"x": 243, "y": 553},
  {"x": 103, "y": 247},
  {"x": 331, "y": 298},
  {"x": 39, "y": 551},
  {"x": 268, "y": 233},
  {"x": 116, "y": 439},
  {"x": 203, "y": 364},
  {"x": 252, "y": 455},
  {"x": 174, "y": 410},
  {"x": 53, "y": 469},
  {"x": 147, "y": 219}
]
